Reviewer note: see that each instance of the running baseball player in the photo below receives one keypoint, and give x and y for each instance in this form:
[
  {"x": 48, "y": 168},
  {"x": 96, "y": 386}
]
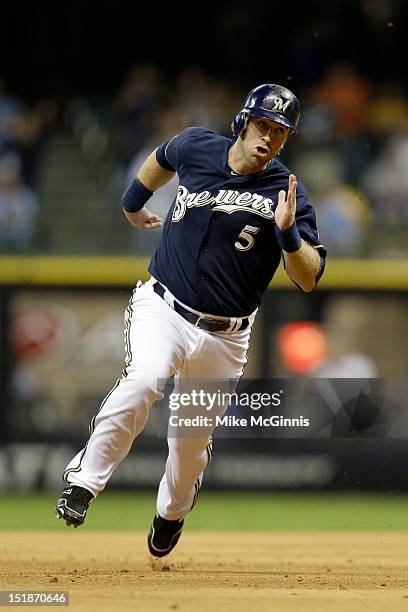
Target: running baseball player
[{"x": 238, "y": 211}]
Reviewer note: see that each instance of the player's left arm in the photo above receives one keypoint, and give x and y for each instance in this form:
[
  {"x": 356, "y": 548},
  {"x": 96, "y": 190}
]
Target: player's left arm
[{"x": 303, "y": 262}]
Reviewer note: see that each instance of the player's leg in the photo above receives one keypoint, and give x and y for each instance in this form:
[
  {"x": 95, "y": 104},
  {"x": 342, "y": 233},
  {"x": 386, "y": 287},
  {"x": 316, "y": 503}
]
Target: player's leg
[
  {"x": 218, "y": 358},
  {"x": 155, "y": 347},
  {"x": 176, "y": 497}
]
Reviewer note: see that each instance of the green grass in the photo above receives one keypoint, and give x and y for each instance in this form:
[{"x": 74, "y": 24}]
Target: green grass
[{"x": 223, "y": 511}]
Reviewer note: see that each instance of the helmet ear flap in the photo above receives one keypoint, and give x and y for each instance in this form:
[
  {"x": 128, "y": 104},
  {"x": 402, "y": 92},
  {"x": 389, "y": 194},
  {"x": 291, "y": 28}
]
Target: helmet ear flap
[{"x": 239, "y": 123}]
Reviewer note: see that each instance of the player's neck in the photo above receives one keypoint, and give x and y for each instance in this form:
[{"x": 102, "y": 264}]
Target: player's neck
[{"x": 239, "y": 164}]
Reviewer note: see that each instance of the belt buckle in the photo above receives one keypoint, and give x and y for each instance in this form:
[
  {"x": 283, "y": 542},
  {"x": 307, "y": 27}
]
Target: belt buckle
[{"x": 199, "y": 318}]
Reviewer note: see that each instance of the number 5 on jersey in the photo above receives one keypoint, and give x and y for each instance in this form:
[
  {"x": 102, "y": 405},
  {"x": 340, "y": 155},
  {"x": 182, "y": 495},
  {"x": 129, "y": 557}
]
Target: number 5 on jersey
[{"x": 247, "y": 235}]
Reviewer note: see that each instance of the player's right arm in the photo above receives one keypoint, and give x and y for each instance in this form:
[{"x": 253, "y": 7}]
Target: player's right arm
[
  {"x": 151, "y": 176},
  {"x": 157, "y": 170}
]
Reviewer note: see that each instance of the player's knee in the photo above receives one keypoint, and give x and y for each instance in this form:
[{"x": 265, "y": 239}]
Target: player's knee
[
  {"x": 146, "y": 385},
  {"x": 188, "y": 447}
]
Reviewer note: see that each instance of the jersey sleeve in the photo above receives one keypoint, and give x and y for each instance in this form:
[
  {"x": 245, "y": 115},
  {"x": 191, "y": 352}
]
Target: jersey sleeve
[
  {"x": 306, "y": 219},
  {"x": 306, "y": 224},
  {"x": 169, "y": 154}
]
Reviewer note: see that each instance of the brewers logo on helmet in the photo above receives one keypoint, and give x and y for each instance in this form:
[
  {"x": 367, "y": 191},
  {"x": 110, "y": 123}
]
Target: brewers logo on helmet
[{"x": 271, "y": 102}]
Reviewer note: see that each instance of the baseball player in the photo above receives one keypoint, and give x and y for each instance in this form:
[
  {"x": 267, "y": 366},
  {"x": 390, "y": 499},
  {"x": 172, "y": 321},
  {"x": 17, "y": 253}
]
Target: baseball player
[{"x": 238, "y": 211}]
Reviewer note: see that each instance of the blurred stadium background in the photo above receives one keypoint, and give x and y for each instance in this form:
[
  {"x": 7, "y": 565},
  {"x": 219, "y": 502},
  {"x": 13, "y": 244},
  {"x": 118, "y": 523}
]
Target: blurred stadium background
[{"x": 83, "y": 98}]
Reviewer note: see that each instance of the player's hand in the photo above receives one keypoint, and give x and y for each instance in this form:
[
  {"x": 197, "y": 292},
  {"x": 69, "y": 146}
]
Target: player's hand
[
  {"x": 286, "y": 209},
  {"x": 144, "y": 219}
]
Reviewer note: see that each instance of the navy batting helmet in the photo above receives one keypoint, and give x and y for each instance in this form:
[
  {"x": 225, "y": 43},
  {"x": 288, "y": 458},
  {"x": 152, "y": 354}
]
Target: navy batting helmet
[{"x": 271, "y": 102}]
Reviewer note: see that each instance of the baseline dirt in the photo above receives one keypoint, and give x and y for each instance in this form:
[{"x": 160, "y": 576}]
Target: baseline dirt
[{"x": 212, "y": 571}]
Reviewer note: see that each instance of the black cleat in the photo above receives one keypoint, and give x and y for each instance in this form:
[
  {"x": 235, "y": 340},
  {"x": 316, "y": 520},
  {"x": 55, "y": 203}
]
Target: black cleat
[
  {"x": 163, "y": 535},
  {"x": 73, "y": 504}
]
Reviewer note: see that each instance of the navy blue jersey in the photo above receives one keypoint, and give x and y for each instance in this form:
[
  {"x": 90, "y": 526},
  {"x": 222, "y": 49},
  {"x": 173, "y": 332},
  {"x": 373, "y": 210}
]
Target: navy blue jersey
[{"x": 218, "y": 250}]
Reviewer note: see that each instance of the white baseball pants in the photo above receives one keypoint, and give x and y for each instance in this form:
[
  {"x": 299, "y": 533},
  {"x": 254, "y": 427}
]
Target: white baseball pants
[{"x": 159, "y": 344}]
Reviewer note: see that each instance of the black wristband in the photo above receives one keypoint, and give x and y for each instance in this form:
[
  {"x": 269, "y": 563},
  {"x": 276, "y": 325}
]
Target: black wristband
[
  {"x": 135, "y": 196},
  {"x": 289, "y": 239}
]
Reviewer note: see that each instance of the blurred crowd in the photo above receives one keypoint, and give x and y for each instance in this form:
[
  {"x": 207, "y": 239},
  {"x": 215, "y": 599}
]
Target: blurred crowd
[
  {"x": 351, "y": 154},
  {"x": 23, "y": 131}
]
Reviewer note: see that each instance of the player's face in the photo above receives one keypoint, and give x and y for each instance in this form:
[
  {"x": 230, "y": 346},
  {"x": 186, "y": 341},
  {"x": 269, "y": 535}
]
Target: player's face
[{"x": 263, "y": 139}]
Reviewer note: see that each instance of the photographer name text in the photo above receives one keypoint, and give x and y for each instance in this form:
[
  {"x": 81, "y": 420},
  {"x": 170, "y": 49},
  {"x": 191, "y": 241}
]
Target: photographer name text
[{"x": 234, "y": 421}]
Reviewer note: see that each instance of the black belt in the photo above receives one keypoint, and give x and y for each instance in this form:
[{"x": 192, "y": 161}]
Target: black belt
[{"x": 206, "y": 322}]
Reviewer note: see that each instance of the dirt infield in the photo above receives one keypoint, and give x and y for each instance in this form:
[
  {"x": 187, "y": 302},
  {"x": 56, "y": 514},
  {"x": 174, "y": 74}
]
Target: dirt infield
[{"x": 212, "y": 571}]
